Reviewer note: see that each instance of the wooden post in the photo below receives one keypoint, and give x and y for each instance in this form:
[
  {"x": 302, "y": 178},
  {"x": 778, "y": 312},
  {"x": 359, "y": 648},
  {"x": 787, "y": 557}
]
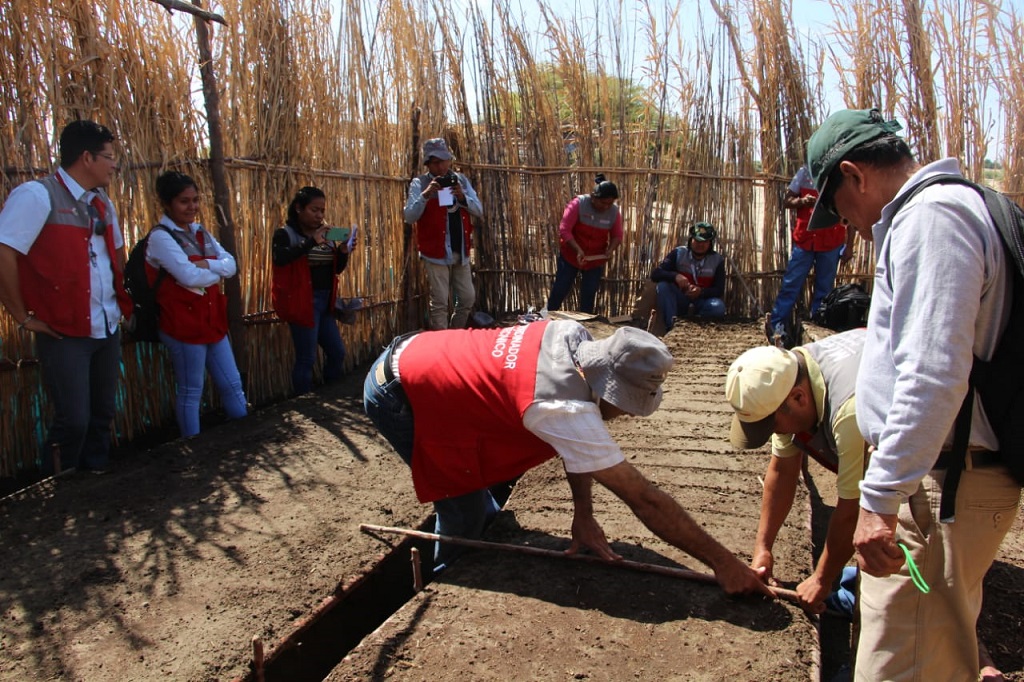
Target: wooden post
[
  {"x": 413, "y": 317},
  {"x": 221, "y": 194},
  {"x": 258, "y": 659},
  {"x": 417, "y": 570}
]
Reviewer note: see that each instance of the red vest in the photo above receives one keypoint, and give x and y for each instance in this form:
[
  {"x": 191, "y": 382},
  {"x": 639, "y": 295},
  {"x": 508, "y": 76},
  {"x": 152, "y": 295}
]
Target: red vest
[
  {"x": 54, "y": 274},
  {"x": 592, "y": 232},
  {"x": 292, "y": 290},
  {"x": 818, "y": 240},
  {"x": 432, "y": 227},
  {"x": 469, "y": 390},
  {"x": 185, "y": 315}
]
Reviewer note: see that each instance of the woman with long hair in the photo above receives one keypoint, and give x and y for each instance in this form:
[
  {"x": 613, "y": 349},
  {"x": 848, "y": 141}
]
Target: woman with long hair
[
  {"x": 193, "y": 309},
  {"x": 306, "y": 269}
]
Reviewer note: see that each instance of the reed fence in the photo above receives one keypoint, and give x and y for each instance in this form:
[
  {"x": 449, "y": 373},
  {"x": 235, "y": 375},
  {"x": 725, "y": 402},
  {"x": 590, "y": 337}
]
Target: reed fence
[{"x": 697, "y": 111}]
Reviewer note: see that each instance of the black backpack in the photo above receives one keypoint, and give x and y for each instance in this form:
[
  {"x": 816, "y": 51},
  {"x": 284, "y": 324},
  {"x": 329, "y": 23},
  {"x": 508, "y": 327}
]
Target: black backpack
[
  {"x": 845, "y": 307},
  {"x": 999, "y": 381},
  {"x": 144, "y": 325}
]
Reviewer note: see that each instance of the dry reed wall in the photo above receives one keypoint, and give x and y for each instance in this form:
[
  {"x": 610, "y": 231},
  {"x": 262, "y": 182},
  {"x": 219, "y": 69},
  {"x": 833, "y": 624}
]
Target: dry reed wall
[{"x": 698, "y": 112}]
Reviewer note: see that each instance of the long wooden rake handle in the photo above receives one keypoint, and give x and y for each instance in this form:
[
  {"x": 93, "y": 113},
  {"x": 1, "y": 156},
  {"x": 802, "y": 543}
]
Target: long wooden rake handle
[{"x": 684, "y": 573}]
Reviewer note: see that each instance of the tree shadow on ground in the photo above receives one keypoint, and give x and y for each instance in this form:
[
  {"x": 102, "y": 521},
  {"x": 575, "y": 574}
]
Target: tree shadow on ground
[{"x": 67, "y": 539}]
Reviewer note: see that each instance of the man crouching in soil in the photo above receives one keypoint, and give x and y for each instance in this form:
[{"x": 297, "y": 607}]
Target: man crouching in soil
[{"x": 470, "y": 409}]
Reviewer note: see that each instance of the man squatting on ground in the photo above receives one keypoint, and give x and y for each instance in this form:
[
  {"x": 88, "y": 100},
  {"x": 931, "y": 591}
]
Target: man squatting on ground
[
  {"x": 941, "y": 297},
  {"x": 806, "y": 398},
  {"x": 473, "y": 408},
  {"x": 691, "y": 276}
]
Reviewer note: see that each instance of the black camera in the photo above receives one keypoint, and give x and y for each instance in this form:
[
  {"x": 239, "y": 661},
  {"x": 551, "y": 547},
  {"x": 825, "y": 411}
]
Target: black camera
[{"x": 446, "y": 180}]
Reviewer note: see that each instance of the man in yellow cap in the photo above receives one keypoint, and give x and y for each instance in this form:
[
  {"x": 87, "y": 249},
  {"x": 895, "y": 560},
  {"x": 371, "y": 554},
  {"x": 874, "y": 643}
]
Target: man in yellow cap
[{"x": 805, "y": 397}]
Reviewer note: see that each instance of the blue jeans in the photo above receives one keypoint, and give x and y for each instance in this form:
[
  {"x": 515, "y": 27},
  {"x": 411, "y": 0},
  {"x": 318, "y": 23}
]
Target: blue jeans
[
  {"x": 825, "y": 264},
  {"x": 81, "y": 376},
  {"x": 673, "y": 303},
  {"x": 324, "y": 333},
  {"x": 565, "y": 277},
  {"x": 463, "y": 516},
  {"x": 190, "y": 362}
]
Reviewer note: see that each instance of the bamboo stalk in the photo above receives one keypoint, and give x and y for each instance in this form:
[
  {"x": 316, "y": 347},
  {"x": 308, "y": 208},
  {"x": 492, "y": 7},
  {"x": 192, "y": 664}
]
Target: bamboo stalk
[{"x": 670, "y": 571}]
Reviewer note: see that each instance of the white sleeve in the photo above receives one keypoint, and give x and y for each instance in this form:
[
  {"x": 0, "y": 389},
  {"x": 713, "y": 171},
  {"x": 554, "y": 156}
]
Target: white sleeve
[
  {"x": 575, "y": 430},
  {"x": 162, "y": 251},
  {"x": 473, "y": 204},
  {"x": 414, "y": 202},
  {"x": 800, "y": 180},
  {"x": 24, "y": 215},
  {"x": 224, "y": 264}
]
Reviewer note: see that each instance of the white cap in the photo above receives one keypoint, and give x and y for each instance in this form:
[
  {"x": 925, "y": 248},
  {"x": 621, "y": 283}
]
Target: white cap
[{"x": 756, "y": 386}]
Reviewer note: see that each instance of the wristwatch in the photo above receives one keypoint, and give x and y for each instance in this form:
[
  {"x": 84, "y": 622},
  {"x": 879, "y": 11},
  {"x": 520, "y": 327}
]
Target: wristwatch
[{"x": 31, "y": 315}]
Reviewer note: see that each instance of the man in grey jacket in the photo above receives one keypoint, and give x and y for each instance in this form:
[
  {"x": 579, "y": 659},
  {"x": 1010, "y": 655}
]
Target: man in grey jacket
[
  {"x": 441, "y": 204},
  {"x": 941, "y": 297}
]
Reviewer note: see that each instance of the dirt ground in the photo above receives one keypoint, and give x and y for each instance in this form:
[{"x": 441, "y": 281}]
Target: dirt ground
[{"x": 165, "y": 568}]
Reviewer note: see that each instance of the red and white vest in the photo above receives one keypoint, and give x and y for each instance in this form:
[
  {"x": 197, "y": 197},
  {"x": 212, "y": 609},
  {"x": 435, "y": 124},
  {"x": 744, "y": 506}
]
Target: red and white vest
[
  {"x": 185, "y": 315},
  {"x": 592, "y": 232},
  {"x": 432, "y": 227},
  {"x": 817, "y": 240},
  {"x": 469, "y": 390},
  {"x": 54, "y": 275}
]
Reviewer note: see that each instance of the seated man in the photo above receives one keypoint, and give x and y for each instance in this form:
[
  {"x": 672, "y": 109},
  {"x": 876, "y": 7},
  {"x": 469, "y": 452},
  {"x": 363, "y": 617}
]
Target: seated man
[
  {"x": 690, "y": 278},
  {"x": 469, "y": 409}
]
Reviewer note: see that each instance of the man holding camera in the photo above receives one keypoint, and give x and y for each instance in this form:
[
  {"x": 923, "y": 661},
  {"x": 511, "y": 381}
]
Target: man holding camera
[{"x": 440, "y": 204}]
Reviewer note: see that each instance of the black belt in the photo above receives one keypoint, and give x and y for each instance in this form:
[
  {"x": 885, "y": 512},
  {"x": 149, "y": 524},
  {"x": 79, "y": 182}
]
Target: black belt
[{"x": 978, "y": 459}]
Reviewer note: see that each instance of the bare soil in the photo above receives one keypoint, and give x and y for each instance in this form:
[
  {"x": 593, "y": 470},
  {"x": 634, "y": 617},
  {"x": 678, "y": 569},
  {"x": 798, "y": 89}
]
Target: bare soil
[{"x": 165, "y": 568}]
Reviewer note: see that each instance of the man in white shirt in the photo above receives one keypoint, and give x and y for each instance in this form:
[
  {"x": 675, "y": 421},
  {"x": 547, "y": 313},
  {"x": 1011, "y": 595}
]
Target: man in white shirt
[
  {"x": 469, "y": 409},
  {"x": 61, "y": 277}
]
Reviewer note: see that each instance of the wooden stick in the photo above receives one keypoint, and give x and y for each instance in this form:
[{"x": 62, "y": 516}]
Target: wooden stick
[
  {"x": 257, "y": 658},
  {"x": 417, "y": 570},
  {"x": 684, "y": 573}
]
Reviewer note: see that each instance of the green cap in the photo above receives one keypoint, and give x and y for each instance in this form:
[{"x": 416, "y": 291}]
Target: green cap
[
  {"x": 838, "y": 136},
  {"x": 702, "y": 232}
]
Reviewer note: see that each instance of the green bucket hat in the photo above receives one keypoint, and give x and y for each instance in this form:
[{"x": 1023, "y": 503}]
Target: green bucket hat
[{"x": 838, "y": 136}]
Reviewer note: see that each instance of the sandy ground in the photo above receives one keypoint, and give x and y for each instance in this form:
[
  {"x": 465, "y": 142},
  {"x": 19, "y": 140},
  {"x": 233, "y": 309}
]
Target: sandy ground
[{"x": 165, "y": 568}]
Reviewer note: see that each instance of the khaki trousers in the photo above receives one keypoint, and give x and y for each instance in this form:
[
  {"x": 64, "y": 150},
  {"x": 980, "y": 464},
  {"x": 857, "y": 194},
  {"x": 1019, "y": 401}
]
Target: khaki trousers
[
  {"x": 445, "y": 280},
  {"x": 908, "y": 635}
]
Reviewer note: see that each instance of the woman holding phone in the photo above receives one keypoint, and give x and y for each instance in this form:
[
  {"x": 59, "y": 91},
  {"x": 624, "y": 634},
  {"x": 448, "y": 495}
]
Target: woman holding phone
[
  {"x": 306, "y": 268},
  {"x": 193, "y": 322}
]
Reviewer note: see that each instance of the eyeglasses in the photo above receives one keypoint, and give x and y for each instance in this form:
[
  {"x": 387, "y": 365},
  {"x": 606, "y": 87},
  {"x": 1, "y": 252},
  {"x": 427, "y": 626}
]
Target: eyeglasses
[
  {"x": 109, "y": 157},
  {"x": 99, "y": 227}
]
